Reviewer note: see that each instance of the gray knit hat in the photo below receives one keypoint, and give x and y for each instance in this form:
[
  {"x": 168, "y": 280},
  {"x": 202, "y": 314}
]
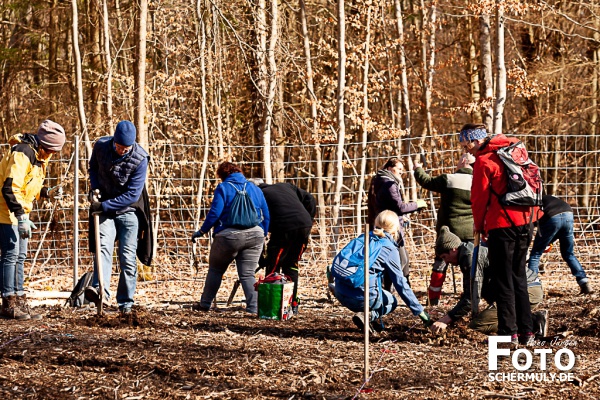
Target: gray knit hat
[
  {"x": 446, "y": 241},
  {"x": 51, "y": 135}
]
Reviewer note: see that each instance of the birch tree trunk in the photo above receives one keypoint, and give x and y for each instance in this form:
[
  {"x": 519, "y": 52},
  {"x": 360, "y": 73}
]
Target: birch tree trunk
[
  {"x": 79, "y": 84},
  {"x": 473, "y": 74},
  {"x": 339, "y": 180},
  {"x": 217, "y": 88},
  {"x": 431, "y": 28},
  {"x": 403, "y": 73},
  {"x": 487, "y": 71},
  {"x": 591, "y": 156},
  {"x": 203, "y": 114},
  {"x": 500, "y": 69},
  {"x": 270, "y": 100},
  {"x": 365, "y": 127},
  {"x": 140, "y": 84},
  {"x": 315, "y": 132},
  {"x": 109, "y": 105}
]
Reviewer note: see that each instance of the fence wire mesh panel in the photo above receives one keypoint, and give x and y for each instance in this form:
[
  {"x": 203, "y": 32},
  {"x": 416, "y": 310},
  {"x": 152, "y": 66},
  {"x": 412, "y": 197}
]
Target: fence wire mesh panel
[{"x": 569, "y": 169}]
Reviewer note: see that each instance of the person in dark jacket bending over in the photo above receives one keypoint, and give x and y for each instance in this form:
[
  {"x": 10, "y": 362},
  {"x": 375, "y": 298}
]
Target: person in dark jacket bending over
[
  {"x": 385, "y": 194},
  {"x": 118, "y": 168},
  {"x": 557, "y": 224},
  {"x": 454, "y": 212},
  {"x": 292, "y": 213}
]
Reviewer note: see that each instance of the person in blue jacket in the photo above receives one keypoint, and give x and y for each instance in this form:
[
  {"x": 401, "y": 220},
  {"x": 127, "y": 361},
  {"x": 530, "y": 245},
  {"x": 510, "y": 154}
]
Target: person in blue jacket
[
  {"x": 231, "y": 243},
  {"x": 381, "y": 301},
  {"x": 118, "y": 168}
]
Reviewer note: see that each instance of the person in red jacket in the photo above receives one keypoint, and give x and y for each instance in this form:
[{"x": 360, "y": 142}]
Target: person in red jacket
[{"x": 507, "y": 230}]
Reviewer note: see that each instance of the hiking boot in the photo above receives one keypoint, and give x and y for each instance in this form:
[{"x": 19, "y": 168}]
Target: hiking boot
[
  {"x": 93, "y": 296},
  {"x": 359, "y": 321},
  {"x": 125, "y": 311},
  {"x": 434, "y": 302},
  {"x": 540, "y": 323},
  {"x": 585, "y": 288},
  {"x": 23, "y": 304},
  {"x": 200, "y": 307},
  {"x": 10, "y": 309}
]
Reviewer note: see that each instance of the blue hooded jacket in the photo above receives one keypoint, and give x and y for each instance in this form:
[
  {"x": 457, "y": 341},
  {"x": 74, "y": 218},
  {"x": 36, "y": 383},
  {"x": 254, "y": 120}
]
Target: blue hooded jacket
[
  {"x": 388, "y": 261},
  {"x": 221, "y": 204}
]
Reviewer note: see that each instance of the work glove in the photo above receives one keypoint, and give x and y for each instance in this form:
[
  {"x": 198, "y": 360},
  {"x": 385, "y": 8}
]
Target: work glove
[
  {"x": 197, "y": 235},
  {"x": 94, "y": 195},
  {"x": 25, "y": 227},
  {"x": 427, "y": 321},
  {"x": 96, "y": 207},
  {"x": 56, "y": 192},
  {"x": 421, "y": 204}
]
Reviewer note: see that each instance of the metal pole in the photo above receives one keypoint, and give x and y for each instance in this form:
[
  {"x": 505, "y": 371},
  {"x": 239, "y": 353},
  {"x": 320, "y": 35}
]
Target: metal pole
[
  {"x": 76, "y": 213},
  {"x": 367, "y": 323}
]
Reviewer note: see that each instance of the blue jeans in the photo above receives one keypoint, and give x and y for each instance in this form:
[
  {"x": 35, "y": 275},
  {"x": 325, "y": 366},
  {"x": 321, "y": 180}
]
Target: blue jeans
[
  {"x": 12, "y": 260},
  {"x": 123, "y": 228},
  {"x": 243, "y": 246},
  {"x": 379, "y": 306},
  {"x": 559, "y": 227}
]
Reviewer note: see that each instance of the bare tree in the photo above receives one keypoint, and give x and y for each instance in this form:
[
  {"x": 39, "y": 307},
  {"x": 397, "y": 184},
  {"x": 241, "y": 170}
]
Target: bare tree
[
  {"x": 109, "y": 103},
  {"x": 487, "y": 71},
  {"x": 271, "y": 91},
  {"x": 79, "y": 84},
  {"x": 339, "y": 180},
  {"x": 140, "y": 75},
  {"x": 500, "y": 68}
]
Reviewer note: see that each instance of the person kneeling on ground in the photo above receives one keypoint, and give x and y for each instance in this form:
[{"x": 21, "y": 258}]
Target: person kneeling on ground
[
  {"x": 387, "y": 261},
  {"x": 450, "y": 248}
]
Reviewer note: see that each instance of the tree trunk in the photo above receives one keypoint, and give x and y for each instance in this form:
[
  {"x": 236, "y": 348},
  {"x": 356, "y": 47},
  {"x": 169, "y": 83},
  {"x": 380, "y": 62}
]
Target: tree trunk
[
  {"x": 315, "y": 133},
  {"x": 79, "y": 83},
  {"x": 140, "y": 76},
  {"x": 109, "y": 105},
  {"x": 271, "y": 91},
  {"x": 365, "y": 127},
  {"x": 487, "y": 71},
  {"x": 500, "y": 69},
  {"x": 337, "y": 196},
  {"x": 473, "y": 74}
]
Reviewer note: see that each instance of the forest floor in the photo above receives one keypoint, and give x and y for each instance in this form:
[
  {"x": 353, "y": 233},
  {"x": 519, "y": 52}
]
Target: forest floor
[{"x": 164, "y": 350}]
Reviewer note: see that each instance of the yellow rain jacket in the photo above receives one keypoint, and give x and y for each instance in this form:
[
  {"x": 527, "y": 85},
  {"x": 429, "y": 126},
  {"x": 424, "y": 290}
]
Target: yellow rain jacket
[{"x": 22, "y": 173}]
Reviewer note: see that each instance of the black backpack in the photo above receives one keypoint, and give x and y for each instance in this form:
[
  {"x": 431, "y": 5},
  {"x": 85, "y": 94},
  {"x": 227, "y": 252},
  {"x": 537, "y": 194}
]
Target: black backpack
[{"x": 77, "y": 297}]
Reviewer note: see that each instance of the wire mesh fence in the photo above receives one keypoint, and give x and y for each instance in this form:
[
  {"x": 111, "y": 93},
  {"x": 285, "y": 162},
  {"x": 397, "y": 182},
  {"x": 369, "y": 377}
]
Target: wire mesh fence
[{"x": 569, "y": 164}]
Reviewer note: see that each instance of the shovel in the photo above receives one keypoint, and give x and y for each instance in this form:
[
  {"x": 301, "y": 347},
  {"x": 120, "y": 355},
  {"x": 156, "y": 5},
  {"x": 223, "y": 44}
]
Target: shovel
[{"x": 98, "y": 254}]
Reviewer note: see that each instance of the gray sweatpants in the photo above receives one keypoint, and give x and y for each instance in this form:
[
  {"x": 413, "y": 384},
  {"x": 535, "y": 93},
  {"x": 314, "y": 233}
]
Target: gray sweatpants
[{"x": 243, "y": 246}]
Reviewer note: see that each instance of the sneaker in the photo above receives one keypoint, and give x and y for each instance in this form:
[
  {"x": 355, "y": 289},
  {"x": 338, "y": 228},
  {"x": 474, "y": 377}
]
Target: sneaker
[
  {"x": 125, "y": 311},
  {"x": 540, "y": 323},
  {"x": 295, "y": 309},
  {"x": 585, "y": 288},
  {"x": 526, "y": 338},
  {"x": 359, "y": 321},
  {"x": 91, "y": 294}
]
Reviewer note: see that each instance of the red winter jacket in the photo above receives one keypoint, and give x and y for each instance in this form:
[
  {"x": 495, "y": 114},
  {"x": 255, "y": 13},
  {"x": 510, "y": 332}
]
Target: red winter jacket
[{"x": 488, "y": 175}]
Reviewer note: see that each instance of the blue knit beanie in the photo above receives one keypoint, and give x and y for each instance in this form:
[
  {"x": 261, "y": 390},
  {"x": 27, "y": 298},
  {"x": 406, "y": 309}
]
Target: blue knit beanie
[
  {"x": 468, "y": 135},
  {"x": 125, "y": 133}
]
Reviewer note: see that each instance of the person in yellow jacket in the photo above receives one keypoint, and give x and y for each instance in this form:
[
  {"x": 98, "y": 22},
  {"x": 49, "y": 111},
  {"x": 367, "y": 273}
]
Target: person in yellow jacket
[{"x": 22, "y": 174}]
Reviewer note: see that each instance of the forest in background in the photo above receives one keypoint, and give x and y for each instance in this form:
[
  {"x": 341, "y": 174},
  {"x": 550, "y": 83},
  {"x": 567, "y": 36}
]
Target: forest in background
[{"x": 273, "y": 74}]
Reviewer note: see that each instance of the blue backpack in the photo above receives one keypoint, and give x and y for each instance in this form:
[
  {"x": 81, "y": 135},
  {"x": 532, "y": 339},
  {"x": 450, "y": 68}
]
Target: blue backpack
[
  {"x": 242, "y": 213},
  {"x": 348, "y": 264}
]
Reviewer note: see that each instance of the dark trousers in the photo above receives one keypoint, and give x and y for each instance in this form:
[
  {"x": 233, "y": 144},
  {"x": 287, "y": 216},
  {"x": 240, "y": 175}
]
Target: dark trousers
[
  {"x": 507, "y": 255},
  {"x": 284, "y": 251}
]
